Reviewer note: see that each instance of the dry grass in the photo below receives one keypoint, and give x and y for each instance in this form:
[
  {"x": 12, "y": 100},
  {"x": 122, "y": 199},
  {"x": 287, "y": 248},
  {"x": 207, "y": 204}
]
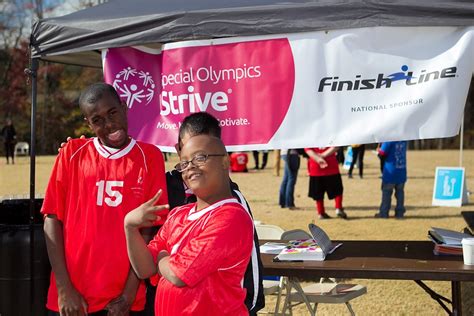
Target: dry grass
[{"x": 361, "y": 201}]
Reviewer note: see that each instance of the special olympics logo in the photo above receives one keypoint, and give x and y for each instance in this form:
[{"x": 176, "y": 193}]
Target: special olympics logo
[{"x": 134, "y": 85}]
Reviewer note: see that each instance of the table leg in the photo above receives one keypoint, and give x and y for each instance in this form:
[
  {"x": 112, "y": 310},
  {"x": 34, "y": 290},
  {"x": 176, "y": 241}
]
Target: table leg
[
  {"x": 438, "y": 298},
  {"x": 456, "y": 298}
]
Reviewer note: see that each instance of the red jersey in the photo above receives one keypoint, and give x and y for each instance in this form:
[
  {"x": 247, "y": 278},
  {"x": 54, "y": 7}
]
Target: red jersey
[
  {"x": 315, "y": 170},
  {"x": 238, "y": 162},
  {"x": 90, "y": 191},
  {"x": 209, "y": 251}
]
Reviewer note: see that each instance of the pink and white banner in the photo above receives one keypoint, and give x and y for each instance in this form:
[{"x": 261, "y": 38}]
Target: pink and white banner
[{"x": 300, "y": 90}]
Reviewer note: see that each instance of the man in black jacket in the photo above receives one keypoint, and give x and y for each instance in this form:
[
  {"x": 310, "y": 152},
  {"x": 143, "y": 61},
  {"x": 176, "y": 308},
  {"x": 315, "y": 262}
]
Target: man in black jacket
[{"x": 9, "y": 137}]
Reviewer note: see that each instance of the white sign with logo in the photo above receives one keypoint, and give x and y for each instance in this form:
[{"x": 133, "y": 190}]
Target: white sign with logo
[
  {"x": 449, "y": 187},
  {"x": 315, "y": 89}
]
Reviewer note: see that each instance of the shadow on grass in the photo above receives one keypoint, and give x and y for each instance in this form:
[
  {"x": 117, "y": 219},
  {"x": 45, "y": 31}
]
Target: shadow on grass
[{"x": 407, "y": 216}]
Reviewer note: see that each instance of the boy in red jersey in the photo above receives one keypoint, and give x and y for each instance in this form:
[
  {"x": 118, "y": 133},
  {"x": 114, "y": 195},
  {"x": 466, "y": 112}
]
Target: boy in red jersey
[
  {"x": 324, "y": 177},
  {"x": 203, "y": 249},
  {"x": 94, "y": 184}
]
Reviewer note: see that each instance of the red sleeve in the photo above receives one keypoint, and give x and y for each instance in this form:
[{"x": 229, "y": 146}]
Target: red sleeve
[
  {"x": 225, "y": 241},
  {"x": 158, "y": 243},
  {"x": 55, "y": 196}
]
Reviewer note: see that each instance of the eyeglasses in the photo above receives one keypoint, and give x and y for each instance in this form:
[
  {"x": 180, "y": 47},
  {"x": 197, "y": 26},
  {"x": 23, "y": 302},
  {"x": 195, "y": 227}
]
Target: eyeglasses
[{"x": 197, "y": 161}]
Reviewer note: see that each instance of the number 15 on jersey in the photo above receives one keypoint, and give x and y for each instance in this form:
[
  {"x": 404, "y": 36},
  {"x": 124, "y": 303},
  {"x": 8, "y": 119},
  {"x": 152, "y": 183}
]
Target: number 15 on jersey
[{"x": 113, "y": 197}]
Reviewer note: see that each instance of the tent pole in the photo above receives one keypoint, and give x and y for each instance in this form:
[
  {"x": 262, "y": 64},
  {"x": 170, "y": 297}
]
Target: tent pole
[
  {"x": 32, "y": 72},
  {"x": 461, "y": 141}
]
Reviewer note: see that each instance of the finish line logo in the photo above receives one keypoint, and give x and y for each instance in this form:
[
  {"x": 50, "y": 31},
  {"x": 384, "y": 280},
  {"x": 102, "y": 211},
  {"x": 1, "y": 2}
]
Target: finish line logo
[{"x": 410, "y": 79}]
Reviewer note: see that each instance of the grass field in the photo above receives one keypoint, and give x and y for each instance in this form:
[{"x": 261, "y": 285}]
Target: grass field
[{"x": 361, "y": 201}]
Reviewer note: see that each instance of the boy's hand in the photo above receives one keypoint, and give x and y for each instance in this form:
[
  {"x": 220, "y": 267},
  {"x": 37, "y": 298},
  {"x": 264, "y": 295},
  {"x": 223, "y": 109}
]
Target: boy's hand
[
  {"x": 71, "y": 302},
  {"x": 146, "y": 214},
  {"x": 118, "y": 307},
  {"x": 321, "y": 162},
  {"x": 67, "y": 140}
]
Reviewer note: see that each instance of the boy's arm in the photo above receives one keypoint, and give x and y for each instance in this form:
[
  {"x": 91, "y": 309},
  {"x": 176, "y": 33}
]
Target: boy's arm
[
  {"x": 122, "y": 304},
  {"x": 383, "y": 150},
  {"x": 328, "y": 152},
  {"x": 70, "y": 300},
  {"x": 165, "y": 271},
  {"x": 143, "y": 216},
  {"x": 317, "y": 157}
]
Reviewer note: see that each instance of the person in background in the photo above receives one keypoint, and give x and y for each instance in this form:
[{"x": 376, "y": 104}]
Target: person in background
[
  {"x": 94, "y": 183},
  {"x": 264, "y": 159},
  {"x": 324, "y": 177},
  {"x": 394, "y": 177},
  {"x": 196, "y": 252},
  {"x": 238, "y": 162},
  {"x": 358, "y": 152},
  {"x": 340, "y": 155},
  {"x": 9, "y": 139},
  {"x": 291, "y": 158},
  {"x": 381, "y": 158}
]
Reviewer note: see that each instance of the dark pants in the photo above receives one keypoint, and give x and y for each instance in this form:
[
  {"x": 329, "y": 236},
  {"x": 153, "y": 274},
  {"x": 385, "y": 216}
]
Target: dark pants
[
  {"x": 358, "y": 155},
  {"x": 150, "y": 299},
  {"x": 387, "y": 191},
  {"x": 10, "y": 151},
  {"x": 287, "y": 188},
  {"x": 264, "y": 159}
]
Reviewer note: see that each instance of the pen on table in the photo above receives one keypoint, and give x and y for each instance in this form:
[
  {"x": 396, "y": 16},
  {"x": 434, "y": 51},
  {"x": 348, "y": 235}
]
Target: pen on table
[{"x": 276, "y": 259}]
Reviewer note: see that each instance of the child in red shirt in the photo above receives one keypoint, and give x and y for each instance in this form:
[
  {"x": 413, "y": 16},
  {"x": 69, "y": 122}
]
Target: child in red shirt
[
  {"x": 323, "y": 170},
  {"x": 196, "y": 252},
  {"x": 238, "y": 162},
  {"x": 94, "y": 183}
]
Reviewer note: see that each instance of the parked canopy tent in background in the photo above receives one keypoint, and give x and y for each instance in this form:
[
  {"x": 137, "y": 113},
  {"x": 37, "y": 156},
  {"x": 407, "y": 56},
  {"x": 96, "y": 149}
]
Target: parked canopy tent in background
[{"x": 77, "y": 38}]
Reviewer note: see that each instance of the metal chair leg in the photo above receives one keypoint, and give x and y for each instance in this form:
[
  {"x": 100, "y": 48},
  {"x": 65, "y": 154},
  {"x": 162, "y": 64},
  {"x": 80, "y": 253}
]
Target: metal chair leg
[
  {"x": 350, "y": 309},
  {"x": 277, "y": 304}
]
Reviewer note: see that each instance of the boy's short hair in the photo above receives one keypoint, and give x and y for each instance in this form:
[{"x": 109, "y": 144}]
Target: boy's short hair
[
  {"x": 200, "y": 123},
  {"x": 96, "y": 92}
]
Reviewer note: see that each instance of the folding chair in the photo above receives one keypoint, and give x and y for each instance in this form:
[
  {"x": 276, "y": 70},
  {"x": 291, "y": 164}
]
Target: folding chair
[
  {"x": 271, "y": 287},
  {"x": 268, "y": 231},
  {"x": 316, "y": 293}
]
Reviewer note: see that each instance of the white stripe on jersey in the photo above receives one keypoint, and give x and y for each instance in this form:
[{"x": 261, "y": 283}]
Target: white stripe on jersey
[
  {"x": 193, "y": 215},
  {"x": 144, "y": 157},
  {"x": 119, "y": 154},
  {"x": 228, "y": 268}
]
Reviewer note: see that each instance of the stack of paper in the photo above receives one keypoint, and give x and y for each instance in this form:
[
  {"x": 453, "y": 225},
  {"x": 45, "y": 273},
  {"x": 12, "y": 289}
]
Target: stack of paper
[
  {"x": 315, "y": 249},
  {"x": 447, "y": 242},
  {"x": 306, "y": 250}
]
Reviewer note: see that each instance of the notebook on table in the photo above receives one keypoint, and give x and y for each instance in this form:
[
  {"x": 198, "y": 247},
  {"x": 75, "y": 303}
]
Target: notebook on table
[{"x": 315, "y": 249}]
